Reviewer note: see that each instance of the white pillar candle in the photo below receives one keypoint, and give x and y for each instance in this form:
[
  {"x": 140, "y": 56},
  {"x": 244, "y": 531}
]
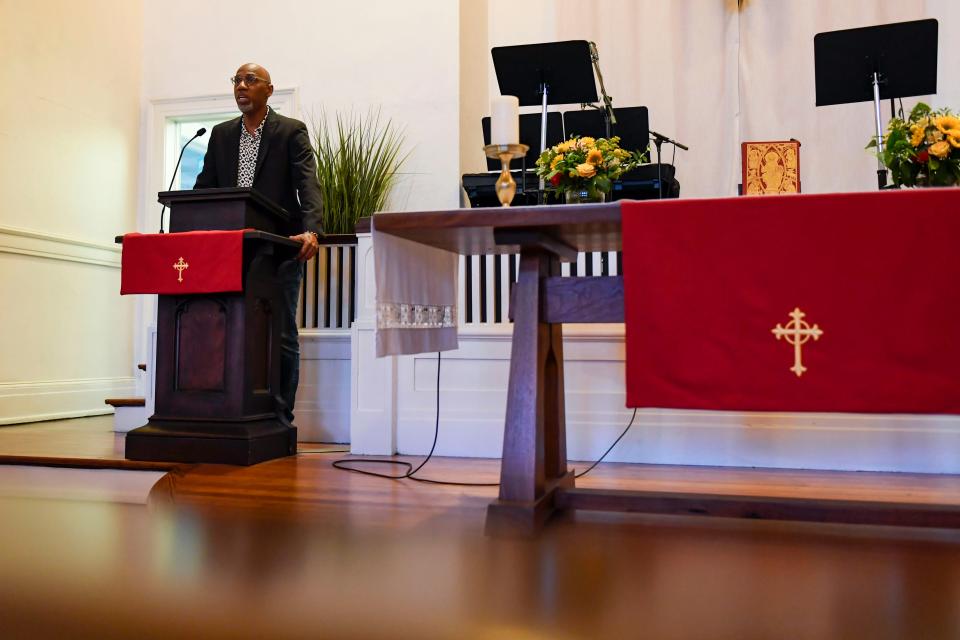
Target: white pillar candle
[{"x": 505, "y": 120}]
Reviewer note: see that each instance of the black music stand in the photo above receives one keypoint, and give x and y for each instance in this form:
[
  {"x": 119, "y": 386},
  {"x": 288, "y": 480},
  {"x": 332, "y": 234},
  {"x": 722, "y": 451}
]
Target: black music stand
[
  {"x": 874, "y": 63},
  {"x": 633, "y": 126},
  {"x": 547, "y": 73},
  {"x": 529, "y": 135}
]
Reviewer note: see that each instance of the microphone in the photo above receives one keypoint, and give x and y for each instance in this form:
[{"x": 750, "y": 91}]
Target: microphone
[
  {"x": 200, "y": 132},
  {"x": 659, "y": 138}
]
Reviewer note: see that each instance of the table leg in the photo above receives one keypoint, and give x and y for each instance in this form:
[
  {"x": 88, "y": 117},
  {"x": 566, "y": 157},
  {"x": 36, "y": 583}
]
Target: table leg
[
  {"x": 555, "y": 423},
  {"x": 534, "y": 443}
]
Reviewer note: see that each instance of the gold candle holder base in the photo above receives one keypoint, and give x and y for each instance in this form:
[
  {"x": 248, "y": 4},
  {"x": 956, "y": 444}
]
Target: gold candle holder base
[{"x": 506, "y": 186}]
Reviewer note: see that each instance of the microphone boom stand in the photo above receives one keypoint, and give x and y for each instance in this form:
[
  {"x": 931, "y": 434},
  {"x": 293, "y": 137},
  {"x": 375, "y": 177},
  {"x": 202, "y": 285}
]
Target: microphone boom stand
[
  {"x": 658, "y": 140},
  {"x": 609, "y": 119},
  {"x": 200, "y": 132}
]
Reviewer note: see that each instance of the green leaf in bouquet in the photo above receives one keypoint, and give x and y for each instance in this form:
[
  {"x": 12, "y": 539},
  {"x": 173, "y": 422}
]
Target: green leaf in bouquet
[
  {"x": 603, "y": 184},
  {"x": 919, "y": 111}
]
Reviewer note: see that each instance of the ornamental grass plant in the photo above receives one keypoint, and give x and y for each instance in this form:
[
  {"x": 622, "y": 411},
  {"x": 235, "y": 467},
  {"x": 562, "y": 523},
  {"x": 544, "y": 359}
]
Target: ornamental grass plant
[{"x": 358, "y": 160}]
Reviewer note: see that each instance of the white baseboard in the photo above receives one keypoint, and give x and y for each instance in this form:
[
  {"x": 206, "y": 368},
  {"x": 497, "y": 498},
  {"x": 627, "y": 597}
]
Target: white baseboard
[
  {"x": 473, "y": 405},
  {"x": 58, "y": 399},
  {"x": 913, "y": 444},
  {"x": 322, "y": 413}
]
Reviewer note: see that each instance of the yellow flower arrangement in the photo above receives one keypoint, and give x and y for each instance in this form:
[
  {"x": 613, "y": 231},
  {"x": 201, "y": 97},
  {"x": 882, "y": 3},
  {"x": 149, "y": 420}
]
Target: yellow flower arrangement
[
  {"x": 916, "y": 135},
  {"x": 924, "y": 149},
  {"x": 586, "y": 164},
  {"x": 940, "y": 149},
  {"x": 586, "y": 170},
  {"x": 948, "y": 123}
]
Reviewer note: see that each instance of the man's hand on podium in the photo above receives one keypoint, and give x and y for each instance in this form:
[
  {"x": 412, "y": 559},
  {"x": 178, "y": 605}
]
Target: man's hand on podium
[{"x": 309, "y": 245}]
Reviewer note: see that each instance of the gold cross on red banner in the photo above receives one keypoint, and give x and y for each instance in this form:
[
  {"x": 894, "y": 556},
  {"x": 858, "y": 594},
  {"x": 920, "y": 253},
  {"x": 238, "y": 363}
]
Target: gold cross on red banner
[
  {"x": 180, "y": 265},
  {"x": 797, "y": 332}
]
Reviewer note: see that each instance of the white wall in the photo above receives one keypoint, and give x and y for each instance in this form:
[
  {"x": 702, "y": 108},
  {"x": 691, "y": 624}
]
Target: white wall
[
  {"x": 401, "y": 57},
  {"x": 474, "y": 83},
  {"x": 778, "y": 83},
  {"x": 676, "y": 58},
  {"x": 714, "y": 75},
  {"x": 69, "y": 128}
]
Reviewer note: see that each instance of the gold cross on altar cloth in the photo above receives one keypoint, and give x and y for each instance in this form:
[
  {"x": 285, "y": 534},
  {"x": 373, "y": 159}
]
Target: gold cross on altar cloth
[
  {"x": 180, "y": 265},
  {"x": 797, "y": 332}
]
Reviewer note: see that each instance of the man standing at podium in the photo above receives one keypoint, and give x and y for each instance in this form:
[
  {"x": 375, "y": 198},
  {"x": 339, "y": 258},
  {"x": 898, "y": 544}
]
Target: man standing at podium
[{"x": 271, "y": 153}]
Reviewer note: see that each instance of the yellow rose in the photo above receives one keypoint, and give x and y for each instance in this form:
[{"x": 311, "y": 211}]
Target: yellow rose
[
  {"x": 941, "y": 149},
  {"x": 916, "y": 135},
  {"x": 587, "y": 170},
  {"x": 556, "y": 160},
  {"x": 594, "y": 157},
  {"x": 954, "y": 140},
  {"x": 946, "y": 123}
]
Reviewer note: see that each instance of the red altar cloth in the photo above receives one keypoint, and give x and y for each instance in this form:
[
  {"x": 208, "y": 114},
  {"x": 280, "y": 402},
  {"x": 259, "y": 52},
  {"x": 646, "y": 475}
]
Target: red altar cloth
[
  {"x": 710, "y": 286},
  {"x": 182, "y": 263}
]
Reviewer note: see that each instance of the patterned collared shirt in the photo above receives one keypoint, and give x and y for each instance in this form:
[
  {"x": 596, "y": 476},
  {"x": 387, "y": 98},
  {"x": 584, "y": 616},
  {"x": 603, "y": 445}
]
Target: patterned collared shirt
[{"x": 249, "y": 148}]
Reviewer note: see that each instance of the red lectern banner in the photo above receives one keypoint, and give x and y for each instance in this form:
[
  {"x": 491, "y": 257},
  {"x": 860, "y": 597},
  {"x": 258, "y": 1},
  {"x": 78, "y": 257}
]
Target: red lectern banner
[
  {"x": 180, "y": 263},
  {"x": 844, "y": 302}
]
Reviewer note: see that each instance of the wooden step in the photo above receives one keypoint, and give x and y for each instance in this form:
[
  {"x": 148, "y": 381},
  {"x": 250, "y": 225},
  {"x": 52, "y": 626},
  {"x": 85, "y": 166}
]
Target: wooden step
[{"x": 126, "y": 402}]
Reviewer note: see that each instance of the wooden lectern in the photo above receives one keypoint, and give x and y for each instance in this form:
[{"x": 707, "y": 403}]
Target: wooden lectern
[{"x": 218, "y": 355}]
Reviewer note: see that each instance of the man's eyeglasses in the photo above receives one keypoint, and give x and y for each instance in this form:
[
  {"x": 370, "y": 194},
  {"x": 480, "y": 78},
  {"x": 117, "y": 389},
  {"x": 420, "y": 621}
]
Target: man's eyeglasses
[{"x": 248, "y": 80}]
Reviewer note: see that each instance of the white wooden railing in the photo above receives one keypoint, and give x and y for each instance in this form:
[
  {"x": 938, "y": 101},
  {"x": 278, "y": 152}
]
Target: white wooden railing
[
  {"x": 328, "y": 298},
  {"x": 486, "y": 281}
]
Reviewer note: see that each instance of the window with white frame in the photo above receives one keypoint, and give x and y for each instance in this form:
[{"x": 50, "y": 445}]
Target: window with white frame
[
  {"x": 179, "y": 120},
  {"x": 182, "y": 128}
]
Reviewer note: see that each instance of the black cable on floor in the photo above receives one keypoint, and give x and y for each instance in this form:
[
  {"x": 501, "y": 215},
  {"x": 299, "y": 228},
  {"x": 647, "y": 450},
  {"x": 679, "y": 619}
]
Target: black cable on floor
[
  {"x": 344, "y": 465},
  {"x": 599, "y": 460}
]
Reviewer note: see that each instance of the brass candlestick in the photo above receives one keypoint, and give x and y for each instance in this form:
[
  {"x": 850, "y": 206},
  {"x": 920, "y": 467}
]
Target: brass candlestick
[{"x": 505, "y": 185}]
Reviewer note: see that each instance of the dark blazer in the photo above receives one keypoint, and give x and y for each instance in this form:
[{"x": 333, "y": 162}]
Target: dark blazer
[{"x": 286, "y": 170}]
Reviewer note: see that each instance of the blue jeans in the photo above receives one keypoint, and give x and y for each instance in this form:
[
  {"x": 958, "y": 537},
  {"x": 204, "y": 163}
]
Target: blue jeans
[{"x": 289, "y": 275}]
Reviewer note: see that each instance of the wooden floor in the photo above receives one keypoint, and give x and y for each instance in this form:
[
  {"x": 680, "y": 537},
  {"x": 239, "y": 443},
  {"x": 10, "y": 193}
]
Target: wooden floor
[
  {"x": 81, "y": 442},
  {"x": 296, "y": 548}
]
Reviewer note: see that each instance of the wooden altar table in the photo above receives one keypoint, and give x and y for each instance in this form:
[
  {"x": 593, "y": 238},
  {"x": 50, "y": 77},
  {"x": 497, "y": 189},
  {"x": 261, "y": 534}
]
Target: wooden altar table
[{"x": 535, "y": 480}]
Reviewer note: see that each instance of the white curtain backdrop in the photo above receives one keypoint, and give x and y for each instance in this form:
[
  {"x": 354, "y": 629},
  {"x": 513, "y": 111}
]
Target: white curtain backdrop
[{"x": 714, "y": 74}]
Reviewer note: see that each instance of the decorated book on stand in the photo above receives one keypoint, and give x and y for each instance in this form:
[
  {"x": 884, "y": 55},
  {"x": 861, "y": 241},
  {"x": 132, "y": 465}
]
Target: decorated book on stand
[{"x": 770, "y": 167}]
